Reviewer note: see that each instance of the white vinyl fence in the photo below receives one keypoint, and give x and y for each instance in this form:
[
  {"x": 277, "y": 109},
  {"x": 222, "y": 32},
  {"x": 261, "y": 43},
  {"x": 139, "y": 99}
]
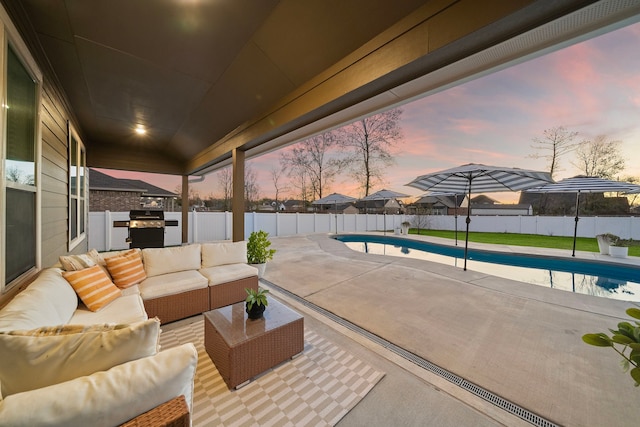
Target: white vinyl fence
[{"x": 214, "y": 226}]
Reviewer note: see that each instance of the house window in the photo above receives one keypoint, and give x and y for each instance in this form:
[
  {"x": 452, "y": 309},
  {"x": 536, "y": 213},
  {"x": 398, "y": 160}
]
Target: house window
[
  {"x": 20, "y": 166},
  {"x": 77, "y": 189}
]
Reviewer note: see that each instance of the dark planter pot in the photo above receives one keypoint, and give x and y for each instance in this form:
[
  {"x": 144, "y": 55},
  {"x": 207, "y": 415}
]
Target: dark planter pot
[{"x": 256, "y": 311}]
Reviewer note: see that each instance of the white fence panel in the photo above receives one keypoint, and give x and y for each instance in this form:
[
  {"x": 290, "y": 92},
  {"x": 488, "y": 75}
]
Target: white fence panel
[
  {"x": 260, "y": 221},
  {"x": 287, "y": 224},
  {"x": 173, "y": 234},
  {"x": 208, "y": 226},
  {"x": 215, "y": 226}
]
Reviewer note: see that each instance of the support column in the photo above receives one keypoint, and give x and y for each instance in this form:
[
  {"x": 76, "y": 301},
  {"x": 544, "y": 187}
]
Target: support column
[
  {"x": 237, "y": 201},
  {"x": 185, "y": 209}
]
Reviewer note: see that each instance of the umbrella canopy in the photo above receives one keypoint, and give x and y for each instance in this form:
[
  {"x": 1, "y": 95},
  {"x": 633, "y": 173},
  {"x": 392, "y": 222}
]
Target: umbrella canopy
[
  {"x": 585, "y": 184},
  {"x": 384, "y": 195},
  {"x": 476, "y": 178},
  {"x": 333, "y": 198}
]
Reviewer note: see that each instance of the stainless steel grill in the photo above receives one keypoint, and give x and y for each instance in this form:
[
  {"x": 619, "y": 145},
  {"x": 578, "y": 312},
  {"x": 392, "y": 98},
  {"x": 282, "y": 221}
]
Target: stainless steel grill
[{"x": 146, "y": 229}]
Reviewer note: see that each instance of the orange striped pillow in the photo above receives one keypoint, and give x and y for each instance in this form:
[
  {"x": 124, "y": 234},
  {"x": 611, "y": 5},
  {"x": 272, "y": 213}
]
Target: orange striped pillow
[
  {"x": 126, "y": 269},
  {"x": 93, "y": 286}
]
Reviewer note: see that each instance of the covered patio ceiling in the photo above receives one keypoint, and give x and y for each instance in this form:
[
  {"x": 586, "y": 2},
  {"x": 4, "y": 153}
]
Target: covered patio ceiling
[{"x": 205, "y": 77}]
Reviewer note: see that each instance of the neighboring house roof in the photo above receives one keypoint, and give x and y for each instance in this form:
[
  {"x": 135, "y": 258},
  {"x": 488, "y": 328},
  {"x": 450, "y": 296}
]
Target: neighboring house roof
[
  {"x": 151, "y": 190},
  {"x": 102, "y": 181},
  {"x": 482, "y": 199},
  {"x": 448, "y": 201}
]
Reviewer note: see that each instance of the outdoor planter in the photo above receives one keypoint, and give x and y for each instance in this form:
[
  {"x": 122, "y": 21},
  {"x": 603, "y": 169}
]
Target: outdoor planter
[
  {"x": 405, "y": 227},
  {"x": 618, "y": 251},
  {"x": 604, "y": 242}
]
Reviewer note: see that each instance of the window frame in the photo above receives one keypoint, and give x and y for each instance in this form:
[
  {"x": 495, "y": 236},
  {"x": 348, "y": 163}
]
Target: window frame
[
  {"x": 81, "y": 189},
  {"x": 9, "y": 36}
]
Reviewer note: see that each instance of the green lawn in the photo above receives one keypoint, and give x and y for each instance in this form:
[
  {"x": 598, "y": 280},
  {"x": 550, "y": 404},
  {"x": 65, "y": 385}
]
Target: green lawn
[{"x": 588, "y": 244}]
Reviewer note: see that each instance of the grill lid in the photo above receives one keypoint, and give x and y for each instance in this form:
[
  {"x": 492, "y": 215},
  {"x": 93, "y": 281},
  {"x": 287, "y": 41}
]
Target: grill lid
[{"x": 146, "y": 214}]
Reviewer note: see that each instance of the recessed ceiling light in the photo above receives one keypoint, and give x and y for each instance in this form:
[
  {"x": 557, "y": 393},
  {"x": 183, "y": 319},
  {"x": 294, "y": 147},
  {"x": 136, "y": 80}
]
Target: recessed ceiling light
[{"x": 140, "y": 130}]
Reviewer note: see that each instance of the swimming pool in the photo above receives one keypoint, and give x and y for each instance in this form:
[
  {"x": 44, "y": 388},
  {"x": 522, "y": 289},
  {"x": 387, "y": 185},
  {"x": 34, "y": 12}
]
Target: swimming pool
[{"x": 587, "y": 277}]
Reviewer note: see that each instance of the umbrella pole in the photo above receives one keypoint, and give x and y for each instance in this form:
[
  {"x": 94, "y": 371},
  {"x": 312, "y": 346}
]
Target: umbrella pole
[
  {"x": 466, "y": 239},
  {"x": 455, "y": 217},
  {"x": 575, "y": 228},
  {"x": 384, "y": 218},
  {"x": 336, "y": 212}
]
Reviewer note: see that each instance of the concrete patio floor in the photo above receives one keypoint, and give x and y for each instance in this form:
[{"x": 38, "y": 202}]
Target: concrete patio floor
[{"x": 519, "y": 341}]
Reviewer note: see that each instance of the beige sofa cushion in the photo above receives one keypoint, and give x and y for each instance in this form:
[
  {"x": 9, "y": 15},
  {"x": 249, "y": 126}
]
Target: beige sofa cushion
[
  {"x": 39, "y": 361},
  {"x": 109, "y": 398},
  {"x": 126, "y": 309},
  {"x": 159, "y": 261},
  {"x": 171, "y": 284},
  {"x": 49, "y": 300},
  {"x": 214, "y": 254},
  {"x": 228, "y": 273}
]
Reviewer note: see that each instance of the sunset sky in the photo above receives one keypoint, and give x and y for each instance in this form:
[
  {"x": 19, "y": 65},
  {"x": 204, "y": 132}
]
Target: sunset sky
[{"x": 592, "y": 88}]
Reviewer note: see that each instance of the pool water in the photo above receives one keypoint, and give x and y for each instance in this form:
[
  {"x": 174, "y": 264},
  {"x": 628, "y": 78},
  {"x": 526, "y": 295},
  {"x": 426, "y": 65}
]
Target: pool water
[{"x": 586, "y": 277}]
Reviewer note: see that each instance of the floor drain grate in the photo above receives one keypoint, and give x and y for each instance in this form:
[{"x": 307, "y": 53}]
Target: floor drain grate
[{"x": 498, "y": 401}]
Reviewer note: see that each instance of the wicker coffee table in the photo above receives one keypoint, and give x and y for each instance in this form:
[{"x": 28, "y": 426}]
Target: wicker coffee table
[{"x": 242, "y": 348}]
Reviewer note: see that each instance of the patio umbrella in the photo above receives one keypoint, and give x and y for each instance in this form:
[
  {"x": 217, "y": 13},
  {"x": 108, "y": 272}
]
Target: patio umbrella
[
  {"x": 585, "y": 184},
  {"x": 476, "y": 178},
  {"x": 334, "y": 198},
  {"x": 384, "y": 195}
]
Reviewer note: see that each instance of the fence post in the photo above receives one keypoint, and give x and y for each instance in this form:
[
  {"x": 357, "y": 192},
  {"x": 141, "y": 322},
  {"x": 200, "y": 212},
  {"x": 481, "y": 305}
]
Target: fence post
[
  {"x": 194, "y": 222},
  {"x": 107, "y": 230}
]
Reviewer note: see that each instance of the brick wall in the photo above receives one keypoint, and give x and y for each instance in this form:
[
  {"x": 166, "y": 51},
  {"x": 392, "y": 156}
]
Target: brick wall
[{"x": 114, "y": 201}]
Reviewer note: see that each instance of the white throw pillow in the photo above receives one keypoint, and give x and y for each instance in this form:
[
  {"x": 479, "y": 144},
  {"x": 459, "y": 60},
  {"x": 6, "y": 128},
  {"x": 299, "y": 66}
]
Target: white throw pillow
[
  {"x": 159, "y": 261},
  {"x": 35, "y": 359},
  {"x": 214, "y": 254},
  {"x": 107, "y": 398}
]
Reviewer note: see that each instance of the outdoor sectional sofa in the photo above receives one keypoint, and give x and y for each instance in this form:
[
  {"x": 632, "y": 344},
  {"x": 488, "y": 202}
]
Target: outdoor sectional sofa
[
  {"x": 66, "y": 362},
  {"x": 183, "y": 281}
]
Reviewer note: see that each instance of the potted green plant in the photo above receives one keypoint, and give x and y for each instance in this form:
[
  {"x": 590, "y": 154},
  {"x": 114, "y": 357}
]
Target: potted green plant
[
  {"x": 625, "y": 338},
  {"x": 258, "y": 252},
  {"x": 256, "y": 302}
]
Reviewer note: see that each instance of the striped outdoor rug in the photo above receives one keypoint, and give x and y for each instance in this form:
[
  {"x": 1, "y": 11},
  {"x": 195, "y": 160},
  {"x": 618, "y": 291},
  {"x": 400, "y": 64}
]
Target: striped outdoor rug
[{"x": 315, "y": 389}]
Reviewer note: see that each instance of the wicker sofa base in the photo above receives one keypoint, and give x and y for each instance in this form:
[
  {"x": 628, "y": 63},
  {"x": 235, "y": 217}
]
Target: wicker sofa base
[
  {"x": 230, "y": 292},
  {"x": 178, "y": 306},
  {"x": 174, "y": 413}
]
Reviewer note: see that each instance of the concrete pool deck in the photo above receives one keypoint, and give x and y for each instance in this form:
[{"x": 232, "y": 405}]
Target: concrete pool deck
[{"x": 519, "y": 341}]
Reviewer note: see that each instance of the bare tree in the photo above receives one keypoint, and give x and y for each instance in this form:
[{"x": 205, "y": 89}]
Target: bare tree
[
  {"x": 313, "y": 155},
  {"x": 251, "y": 188},
  {"x": 276, "y": 178},
  {"x": 555, "y": 143},
  {"x": 194, "y": 196},
  {"x": 13, "y": 174},
  {"x": 599, "y": 157},
  {"x": 225, "y": 183},
  {"x": 298, "y": 179},
  {"x": 421, "y": 219},
  {"x": 367, "y": 143}
]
